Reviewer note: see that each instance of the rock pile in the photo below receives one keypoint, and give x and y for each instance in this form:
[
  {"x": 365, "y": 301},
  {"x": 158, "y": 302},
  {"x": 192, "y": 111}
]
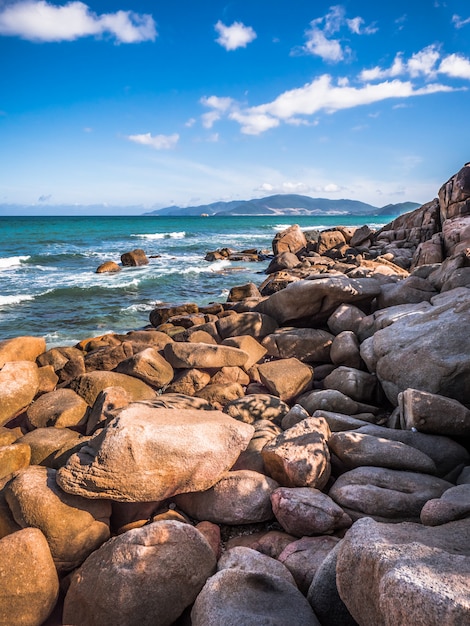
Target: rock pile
[{"x": 296, "y": 455}]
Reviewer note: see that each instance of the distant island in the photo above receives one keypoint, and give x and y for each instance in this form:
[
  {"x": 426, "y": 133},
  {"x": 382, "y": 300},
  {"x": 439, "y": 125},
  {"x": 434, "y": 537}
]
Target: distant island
[
  {"x": 280, "y": 204},
  {"x": 287, "y": 204}
]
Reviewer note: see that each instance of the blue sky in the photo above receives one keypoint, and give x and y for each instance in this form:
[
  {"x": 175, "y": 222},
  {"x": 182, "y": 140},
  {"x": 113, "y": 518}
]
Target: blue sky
[{"x": 187, "y": 102}]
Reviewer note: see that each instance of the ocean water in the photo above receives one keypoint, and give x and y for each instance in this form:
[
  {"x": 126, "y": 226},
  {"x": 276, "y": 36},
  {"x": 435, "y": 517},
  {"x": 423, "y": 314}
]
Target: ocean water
[{"x": 48, "y": 281}]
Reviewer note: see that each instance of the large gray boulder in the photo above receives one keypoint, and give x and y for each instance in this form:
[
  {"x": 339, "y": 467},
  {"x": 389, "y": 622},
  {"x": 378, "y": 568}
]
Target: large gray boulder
[
  {"x": 434, "y": 346},
  {"x": 145, "y": 576},
  {"x": 149, "y": 453},
  {"x": 406, "y": 573}
]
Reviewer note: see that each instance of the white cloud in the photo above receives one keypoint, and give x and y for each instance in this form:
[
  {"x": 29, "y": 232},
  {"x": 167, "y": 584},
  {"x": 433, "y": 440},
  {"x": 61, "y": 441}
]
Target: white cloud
[
  {"x": 159, "y": 142},
  {"x": 455, "y": 66},
  {"x": 459, "y": 22},
  {"x": 39, "y": 20},
  {"x": 219, "y": 106},
  {"x": 319, "y": 35},
  {"x": 253, "y": 122},
  {"x": 424, "y": 63},
  {"x": 235, "y": 36},
  {"x": 190, "y": 122}
]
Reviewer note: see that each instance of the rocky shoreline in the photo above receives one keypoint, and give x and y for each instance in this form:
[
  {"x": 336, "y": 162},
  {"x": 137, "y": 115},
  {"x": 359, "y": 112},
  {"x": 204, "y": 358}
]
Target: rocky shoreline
[{"x": 296, "y": 455}]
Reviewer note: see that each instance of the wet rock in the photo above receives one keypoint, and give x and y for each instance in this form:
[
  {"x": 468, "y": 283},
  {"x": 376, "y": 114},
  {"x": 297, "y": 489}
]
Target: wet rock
[
  {"x": 108, "y": 267},
  {"x": 134, "y": 258}
]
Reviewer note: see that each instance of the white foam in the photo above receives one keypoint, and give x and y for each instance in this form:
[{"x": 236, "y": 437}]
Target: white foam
[
  {"x": 9, "y": 300},
  {"x": 139, "y": 308},
  {"x": 174, "y": 235},
  {"x": 12, "y": 261}
]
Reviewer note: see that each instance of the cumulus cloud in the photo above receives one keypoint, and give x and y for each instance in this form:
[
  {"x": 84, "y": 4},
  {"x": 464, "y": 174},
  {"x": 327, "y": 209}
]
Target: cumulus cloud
[
  {"x": 320, "y": 41},
  {"x": 158, "y": 142},
  {"x": 427, "y": 63},
  {"x": 41, "y": 21},
  {"x": 218, "y": 106},
  {"x": 235, "y": 36}
]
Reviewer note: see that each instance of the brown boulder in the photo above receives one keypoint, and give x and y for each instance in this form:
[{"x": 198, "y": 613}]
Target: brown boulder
[
  {"x": 21, "y": 349},
  {"x": 299, "y": 456},
  {"x": 286, "y": 378},
  {"x": 239, "y": 497},
  {"x": 73, "y": 526},
  {"x": 107, "y": 405},
  {"x": 203, "y": 355},
  {"x": 454, "y": 504},
  {"x": 89, "y": 385},
  {"x": 149, "y": 366},
  {"x": 19, "y": 383},
  {"x": 13, "y": 458},
  {"x": 241, "y": 292},
  {"x": 345, "y": 350},
  {"x": 356, "y": 384},
  {"x": 148, "y": 454},
  {"x": 188, "y": 382},
  {"x": 108, "y": 267},
  {"x": 134, "y": 258},
  {"x": 431, "y": 413},
  {"x": 257, "y": 406},
  {"x": 248, "y": 560},
  {"x": 257, "y": 325},
  {"x": 146, "y": 576},
  {"x": 290, "y": 240},
  {"x": 329, "y": 239},
  {"x": 251, "y": 458},
  {"x": 30, "y": 586},
  {"x": 220, "y": 394},
  {"x": 248, "y": 344},
  {"x": 52, "y": 446},
  {"x": 61, "y": 408},
  {"x": 305, "y": 344},
  {"x": 162, "y": 312}
]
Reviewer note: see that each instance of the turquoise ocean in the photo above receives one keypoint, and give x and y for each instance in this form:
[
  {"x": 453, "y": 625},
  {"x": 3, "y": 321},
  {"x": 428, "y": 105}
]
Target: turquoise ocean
[{"x": 48, "y": 281}]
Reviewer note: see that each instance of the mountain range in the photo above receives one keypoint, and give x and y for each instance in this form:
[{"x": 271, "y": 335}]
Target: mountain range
[{"x": 287, "y": 204}]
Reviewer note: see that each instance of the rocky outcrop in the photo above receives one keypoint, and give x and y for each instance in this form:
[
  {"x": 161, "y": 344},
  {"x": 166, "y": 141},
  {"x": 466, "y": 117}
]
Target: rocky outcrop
[{"x": 134, "y": 258}]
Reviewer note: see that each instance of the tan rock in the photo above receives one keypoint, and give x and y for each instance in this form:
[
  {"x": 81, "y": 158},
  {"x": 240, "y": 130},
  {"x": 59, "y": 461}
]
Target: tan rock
[
  {"x": 239, "y": 497},
  {"x": 73, "y": 526},
  {"x": 162, "y": 312},
  {"x": 188, "y": 382},
  {"x": 201, "y": 355},
  {"x": 248, "y": 344},
  {"x": 255, "y": 407},
  {"x": 9, "y": 435},
  {"x": 286, "y": 378},
  {"x": 13, "y": 458},
  {"x": 30, "y": 586},
  {"x": 306, "y": 511},
  {"x": 305, "y": 344},
  {"x": 19, "y": 383},
  {"x": 400, "y": 568},
  {"x": 146, "y": 576},
  {"x": 21, "y": 349},
  {"x": 107, "y": 405},
  {"x": 61, "y": 408},
  {"x": 251, "y": 458},
  {"x": 108, "y": 267},
  {"x": 220, "y": 394},
  {"x": 299, "y": 456},
  {"x": 147, "y": 454},
  {"x": 385, "y": 494},
  {"x": 236, "y": 294},
  {"x": 89, "y": 385},
  {"x": 233, "y": 597},
  {"x": 255, "y": 324},
  {"x": 149, "y": 366},
  {"x": 52, "y": 446},
  {"x": 7, "y": 521},
  {"x": 227, "y": 375},
  {"x": 134, "y": 257},
  {"x": 290, "y": 240},
  {"x": 328, "y": 239},
  {"x": 271, "y": 542},
  {"x": 48, "y": 379}
]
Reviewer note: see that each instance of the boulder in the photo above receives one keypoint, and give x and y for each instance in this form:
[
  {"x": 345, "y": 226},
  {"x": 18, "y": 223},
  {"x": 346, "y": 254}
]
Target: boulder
[
  {"x": 323, "y": 593},
  {"x": 409, "y": 291},
  {"x": 162, "y": 312},
  {"x": 89, "y": 386},
  {"x": 251, "y": 458},
  {"x": 305, "y": 344},
  {"x": 149, "y": 366},
  {"x": 61, "y": 408},
  {"x": 248, "y": 344},
  {"x": 304, "y": 556},
  {"x": 345, "y": 350},
  {"x": 251, "y": 323},
  {"x": 295, "y": 415},
  {"x": 286, "y": 378},
  {"x": 51, "y": 446},
  {"x": 148, "y": 454},
  {"x": 356, "y": 384},
  {"x": 21, "y": 349},
  {"x": 48, "y": 379},
  {"x": 188, "y": 382},
  {"x": 454, "y": 504},
  {"x": 400, "y": 568},
  {"x": 329, "y": 239},
  {"x": 431, "y": 413},
  {"x": 241, "y": 292},
  {"x": 435, "y": 347},
  {"x": 257, "y": 406},
  {"x": 13, "y": 457},
  {"x": 108, "y": 267},
  {"x": 306, "y": 511},
  {"x": 345, "y": 317},
  {"x": 248, "y": 560},
  {"x": 356, "y": 449},
  {"x": 220, "y": 394},
  {"x": 19, "y": 383},
  {"x": 331, "y": 400},
  {"x": 283, "y": 261},
  {"x": 30, "y": 586},
  {"x": 134, "y": 258},
  {"x": 236, "y": 598},
  {"x": 203, "y": 355},
  {"x": 239, "y": 497},
  {"x": 227, "y": 375},
  {"x": 290, "y": 240},
  {"x": 107, "y": 405},
  {"x": 317, "y": 299},
  {"x": 299, "y": 456},
  {"x": 73, "y": 526},
  {"x": 146, "y": 576},
  {"x": 108, "y": 357},
  {"x": 360, "y": 235},
  {"x": 385, "y": 494},
  {"x": 271, "y": 542}
]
